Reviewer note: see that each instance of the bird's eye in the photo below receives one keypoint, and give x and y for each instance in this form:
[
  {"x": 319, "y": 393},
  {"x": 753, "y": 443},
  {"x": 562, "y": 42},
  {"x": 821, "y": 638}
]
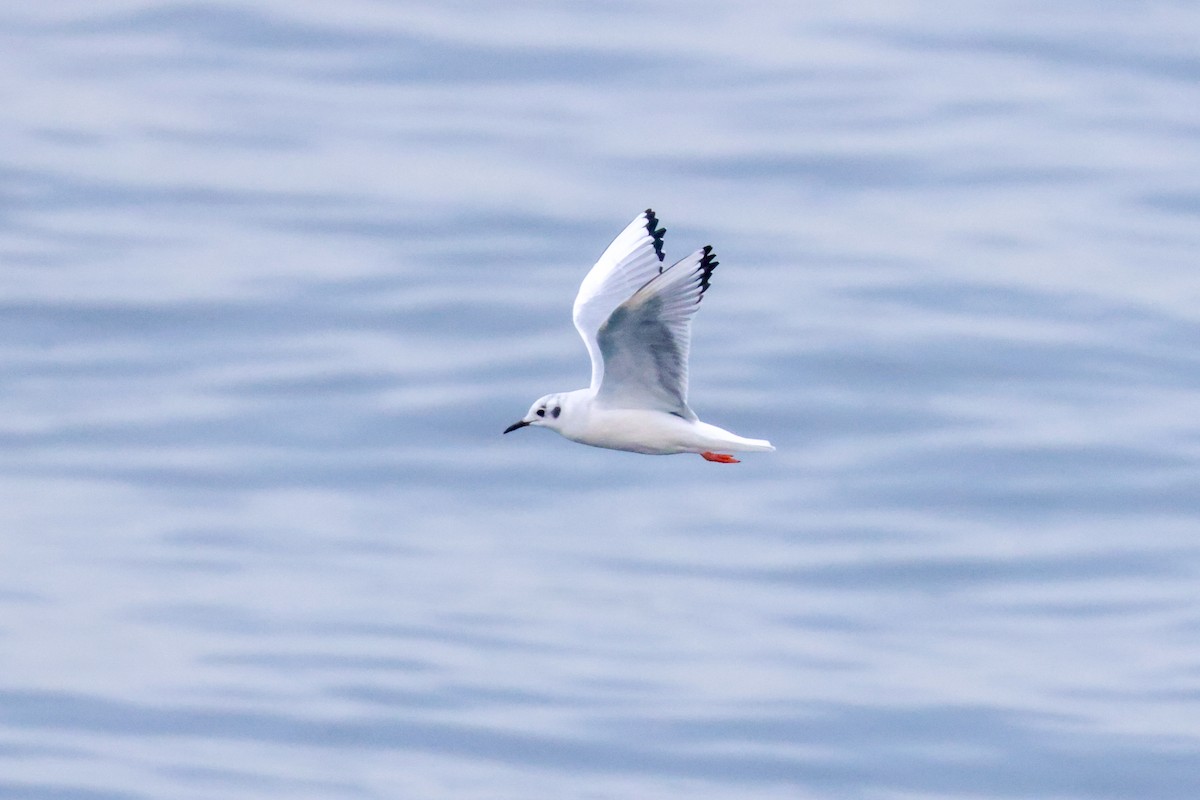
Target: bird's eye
[
  {"x": 557, "y": 410},
  {"x": 541, "y": 412}
]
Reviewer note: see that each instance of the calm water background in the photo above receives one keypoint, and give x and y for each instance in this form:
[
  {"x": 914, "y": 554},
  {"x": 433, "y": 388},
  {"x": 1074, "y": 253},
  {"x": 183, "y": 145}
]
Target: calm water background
[{"x": 276, "y": 274}]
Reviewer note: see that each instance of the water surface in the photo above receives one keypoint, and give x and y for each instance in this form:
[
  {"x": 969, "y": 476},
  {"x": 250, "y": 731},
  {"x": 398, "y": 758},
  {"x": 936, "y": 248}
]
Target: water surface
[{"x": 275, "y": 279}]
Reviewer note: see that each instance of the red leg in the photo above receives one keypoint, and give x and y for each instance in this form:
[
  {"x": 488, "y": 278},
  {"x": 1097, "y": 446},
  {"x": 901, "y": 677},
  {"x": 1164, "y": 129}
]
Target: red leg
[{"x": 720, "y": 458}]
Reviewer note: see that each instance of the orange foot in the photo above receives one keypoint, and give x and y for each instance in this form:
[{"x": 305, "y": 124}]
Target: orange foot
[{"x": 720, "y": 458}]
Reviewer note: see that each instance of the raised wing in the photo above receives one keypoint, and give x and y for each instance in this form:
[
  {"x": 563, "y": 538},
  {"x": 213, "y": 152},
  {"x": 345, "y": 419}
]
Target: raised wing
[
  {"x": 646, "y": 340},
  {"x": 629, "y": 263}
]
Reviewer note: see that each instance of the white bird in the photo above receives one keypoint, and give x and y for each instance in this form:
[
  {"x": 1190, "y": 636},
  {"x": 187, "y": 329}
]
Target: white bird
[{"x": 636, "y": 319}]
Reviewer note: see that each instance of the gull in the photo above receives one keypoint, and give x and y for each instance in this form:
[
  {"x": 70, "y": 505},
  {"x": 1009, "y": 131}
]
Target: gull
[{"x": 636, "y": 319}]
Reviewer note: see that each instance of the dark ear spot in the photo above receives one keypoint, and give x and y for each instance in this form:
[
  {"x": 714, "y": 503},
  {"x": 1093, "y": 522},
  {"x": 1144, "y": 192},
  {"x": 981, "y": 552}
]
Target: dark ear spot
[{"x": 557, "y": 410}]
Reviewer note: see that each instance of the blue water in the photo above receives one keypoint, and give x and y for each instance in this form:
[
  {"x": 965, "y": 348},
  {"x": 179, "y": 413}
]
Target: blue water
[{"x": 277, "y": 274}]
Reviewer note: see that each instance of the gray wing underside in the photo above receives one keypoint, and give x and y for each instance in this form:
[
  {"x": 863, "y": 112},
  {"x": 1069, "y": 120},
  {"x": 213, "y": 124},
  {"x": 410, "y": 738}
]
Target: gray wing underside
[{"x": 646, "y": 341}]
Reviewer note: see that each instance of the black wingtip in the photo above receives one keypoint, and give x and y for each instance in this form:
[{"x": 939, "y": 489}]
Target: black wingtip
[
  {"x": 656, "y": 233},
  {"x": 708, "y": 262}
]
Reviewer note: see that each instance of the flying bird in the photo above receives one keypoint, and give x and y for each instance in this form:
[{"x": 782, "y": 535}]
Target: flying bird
[{"x": 635, "y": 316}]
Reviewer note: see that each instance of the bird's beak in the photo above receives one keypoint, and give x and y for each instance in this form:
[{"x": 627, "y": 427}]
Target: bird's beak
[{"x": 515, "y": 425}]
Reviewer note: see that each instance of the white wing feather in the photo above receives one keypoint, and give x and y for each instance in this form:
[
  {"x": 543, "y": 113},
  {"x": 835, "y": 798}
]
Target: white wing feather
[{"x": 629, "y": 263}]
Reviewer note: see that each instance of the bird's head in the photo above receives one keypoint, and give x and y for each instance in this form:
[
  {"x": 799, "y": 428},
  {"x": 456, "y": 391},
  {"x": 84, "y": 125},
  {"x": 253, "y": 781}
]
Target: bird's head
[{"x": 546, "y": 412}]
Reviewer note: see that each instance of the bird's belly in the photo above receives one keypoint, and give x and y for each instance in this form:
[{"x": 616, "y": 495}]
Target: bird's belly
[{"x": 637, "y": 431}]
